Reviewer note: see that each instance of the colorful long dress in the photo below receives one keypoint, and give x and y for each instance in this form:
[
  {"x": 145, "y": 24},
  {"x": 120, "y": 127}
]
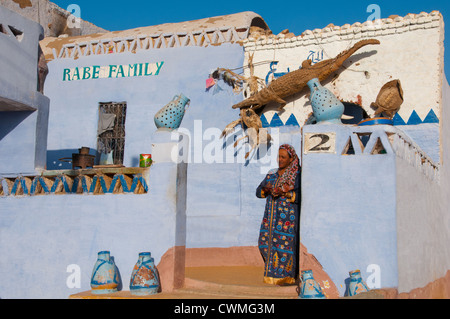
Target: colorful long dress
[{"x": 279, "y": 233}]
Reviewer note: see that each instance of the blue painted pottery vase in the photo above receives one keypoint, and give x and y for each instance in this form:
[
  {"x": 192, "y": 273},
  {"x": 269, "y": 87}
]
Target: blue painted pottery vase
[
  {"x": 377, "y": 121},
  {"x": 326, "y": 106},
  {"x": 310, "y": 289},
  {"x": 144, "y": 277},
  {"x": 171, "y": 115},
  {"x": 357, "y": 284},
  {"x": 105, "y": 278}
]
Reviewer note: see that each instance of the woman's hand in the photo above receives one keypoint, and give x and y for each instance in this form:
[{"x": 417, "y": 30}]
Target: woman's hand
[
  {"x": 276, "y": 192},
  {"x": 267, "y": 190}
]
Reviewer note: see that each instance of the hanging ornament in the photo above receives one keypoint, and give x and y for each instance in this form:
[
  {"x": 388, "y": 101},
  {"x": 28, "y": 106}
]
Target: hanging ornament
[
  {"x": 210, "y": 82},
  {"x": 217, "y": 89}
]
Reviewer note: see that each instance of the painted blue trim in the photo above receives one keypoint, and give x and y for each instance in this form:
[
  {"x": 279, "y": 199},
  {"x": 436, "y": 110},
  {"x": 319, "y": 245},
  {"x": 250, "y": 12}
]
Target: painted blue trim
[
  {"x": 264, "y": 121},
  {"x": 34, "y": 184},
  {"x": 143, "y": 287},
  {"x": 124, "y": 183},
  {"x": 55, "y": 184},
  {"x": 292, "y": 120},
  {"x": 144, "y": 254},
  {"x": 19, "y": 181},
  {"x": 119, "y": 178},
  {"x": 312, "y": 297},
  {"x": 276, "y": 121},
  {"x": 414, "y": 119},
  {"x": 431, "y": 118},
  {"x": 77, "y": 181},
  {"x": 375, "y": 121},
  {"x": 398, "y": 120},
  {"x": 103, "y": 184},
  {"x": 60, "y": 179},
  {"x": 100, "y": 180},
  {"x": 84, "y": 185},
  {"x": 94, "y": 182},
  {"x": 113, "y": 184},
  {"x": 24, "y": 186},
  {"x": 138, "y": 178},
  {"x": 14, "y": 188}
]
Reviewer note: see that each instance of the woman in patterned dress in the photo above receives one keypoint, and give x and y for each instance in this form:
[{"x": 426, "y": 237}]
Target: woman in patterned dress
[{"x": 279, "y": 235}]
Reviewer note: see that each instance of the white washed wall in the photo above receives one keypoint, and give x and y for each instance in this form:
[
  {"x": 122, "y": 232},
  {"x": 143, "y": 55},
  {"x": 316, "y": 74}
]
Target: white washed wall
[{"x": 411, "y": 50}]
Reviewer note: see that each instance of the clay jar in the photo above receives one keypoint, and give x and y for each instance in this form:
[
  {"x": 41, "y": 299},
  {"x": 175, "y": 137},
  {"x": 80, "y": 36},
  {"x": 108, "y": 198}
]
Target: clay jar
[
  {"x": 326, "y": 106},
  {"x": 105, "y": 278},
  {"x": 171, "y": 115},
  {"x": 144, "y": 277},
  {"x": 357, "y": 284},
  {"x": 310, "y": 289}
]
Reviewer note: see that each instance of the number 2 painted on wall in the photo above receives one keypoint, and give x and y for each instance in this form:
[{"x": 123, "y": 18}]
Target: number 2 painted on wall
[
  {"x": 324, "y": 140},
  {"x": 320, "y": 142}
]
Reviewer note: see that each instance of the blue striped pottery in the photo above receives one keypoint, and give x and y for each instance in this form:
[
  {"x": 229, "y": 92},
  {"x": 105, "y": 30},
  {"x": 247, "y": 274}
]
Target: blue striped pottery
[
  {"x": 310, "y": 289},
  {"x": 377, "y": 121},
  {"x": 171, "y": 114},
  {"x": 104, "y": 277},
  {"x": 357, "y": 284},
  {"x": 144, "y": 277},
  {"x": 326, "y": 106}
]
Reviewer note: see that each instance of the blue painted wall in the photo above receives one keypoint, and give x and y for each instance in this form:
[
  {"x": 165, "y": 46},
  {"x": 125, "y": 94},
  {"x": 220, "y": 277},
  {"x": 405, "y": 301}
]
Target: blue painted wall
[
  {"x": 348, "y": 212},
  {"x": 16, "y": 157},
  {"x": 41, "y": 236},
  {"x": 23, "y": 110},
  {"x": 215, "y": 204},
  {"x": 74, "y": 104},
  {"x": 348, "y": 216}
]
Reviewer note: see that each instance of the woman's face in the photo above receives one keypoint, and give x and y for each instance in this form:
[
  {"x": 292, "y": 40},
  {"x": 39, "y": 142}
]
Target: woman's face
[{"x": 284, "y": 159}]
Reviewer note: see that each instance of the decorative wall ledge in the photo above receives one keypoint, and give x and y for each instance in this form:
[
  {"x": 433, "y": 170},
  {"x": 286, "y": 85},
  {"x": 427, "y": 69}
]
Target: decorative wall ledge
[
  {"x": 370, "y": 140},
  {"x": 406, "y": 149},
  {"x": 232, "y": 28},
  {"x": 133, "y": 44},
  {"x": 84, "y": 181},
  {"x": 356, "y": 31}
]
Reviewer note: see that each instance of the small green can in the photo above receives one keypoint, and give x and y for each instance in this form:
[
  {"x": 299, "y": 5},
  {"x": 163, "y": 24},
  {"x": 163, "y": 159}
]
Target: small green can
[{"x": 145, "y": 160}]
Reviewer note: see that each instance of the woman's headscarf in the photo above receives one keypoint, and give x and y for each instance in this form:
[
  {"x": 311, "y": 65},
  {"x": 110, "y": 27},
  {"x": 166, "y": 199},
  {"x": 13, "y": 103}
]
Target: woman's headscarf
[{"x": 287, "y": 180}]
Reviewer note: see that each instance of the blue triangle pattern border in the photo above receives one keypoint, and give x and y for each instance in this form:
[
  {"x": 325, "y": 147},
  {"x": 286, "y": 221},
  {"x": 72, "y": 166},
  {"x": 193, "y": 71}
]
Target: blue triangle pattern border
[
  {"x": 431, "y": 118},
  {"x": 398, "y": 120},
  {"x": 277, "y": 122},
  {"x": 264, "y": 121},
  {"x": 415, "y": 119},
  {"x": 292, "y": 120}
]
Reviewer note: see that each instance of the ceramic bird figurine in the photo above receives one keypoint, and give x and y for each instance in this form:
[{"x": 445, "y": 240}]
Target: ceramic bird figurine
[{"x": 389, "y": 99}]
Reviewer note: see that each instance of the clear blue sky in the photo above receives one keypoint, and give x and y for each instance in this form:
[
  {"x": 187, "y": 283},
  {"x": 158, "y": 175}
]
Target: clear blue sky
[{"x": 297, "y": 15}]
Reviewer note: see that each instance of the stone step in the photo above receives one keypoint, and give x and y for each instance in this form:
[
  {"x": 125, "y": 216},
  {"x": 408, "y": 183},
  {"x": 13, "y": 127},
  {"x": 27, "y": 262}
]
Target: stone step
[{"x": 234, "y": 282}]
